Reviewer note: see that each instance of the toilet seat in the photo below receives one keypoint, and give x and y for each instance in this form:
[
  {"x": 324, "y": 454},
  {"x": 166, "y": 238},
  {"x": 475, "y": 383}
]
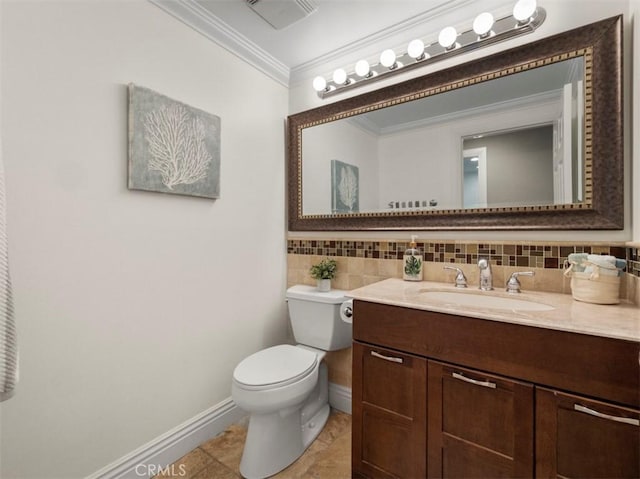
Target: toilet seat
[{"x": 275, "y": 367}]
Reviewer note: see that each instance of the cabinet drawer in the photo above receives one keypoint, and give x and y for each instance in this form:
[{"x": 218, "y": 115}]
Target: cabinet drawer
[
  {"x": 480, "y": 425},
  {"x": 389, "y": 413},
  {"x": 393, "y": 387},
  {"x": 580, "y": 437}
]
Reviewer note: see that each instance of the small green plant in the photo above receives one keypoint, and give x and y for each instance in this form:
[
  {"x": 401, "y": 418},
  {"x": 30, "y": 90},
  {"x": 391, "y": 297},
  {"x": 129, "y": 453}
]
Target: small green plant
[{"x": 325, "y": 269}]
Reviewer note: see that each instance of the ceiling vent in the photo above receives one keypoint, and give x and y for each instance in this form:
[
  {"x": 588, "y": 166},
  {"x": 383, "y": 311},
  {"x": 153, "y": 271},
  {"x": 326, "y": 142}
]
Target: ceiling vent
[{"x": 282, "y": 13}]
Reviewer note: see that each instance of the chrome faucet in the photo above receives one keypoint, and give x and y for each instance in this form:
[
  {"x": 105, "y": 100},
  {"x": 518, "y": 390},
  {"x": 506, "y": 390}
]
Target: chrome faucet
[
  {"x": 513, "y": 285},
  {"x": 461, "y": 280},
  {"x": 486, "y": 276}
]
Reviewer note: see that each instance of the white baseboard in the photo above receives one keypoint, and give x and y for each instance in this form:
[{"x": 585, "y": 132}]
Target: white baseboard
[
  {"x": 171, "y": 446},
  {"x": 340, "y": 397}
]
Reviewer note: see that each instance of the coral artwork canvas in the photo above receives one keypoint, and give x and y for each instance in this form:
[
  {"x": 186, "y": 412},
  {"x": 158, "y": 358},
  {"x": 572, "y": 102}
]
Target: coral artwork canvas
[
  {"x": 173, "y": 148},
  {"x": 345, "y": 187}
]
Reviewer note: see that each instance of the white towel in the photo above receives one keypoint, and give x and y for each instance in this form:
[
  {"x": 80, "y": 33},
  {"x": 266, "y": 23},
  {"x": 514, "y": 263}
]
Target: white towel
[
  {"x": 8, "y": 340},
  {"x": 601, "y": 264},
  {"x": 604, "y": 261}
]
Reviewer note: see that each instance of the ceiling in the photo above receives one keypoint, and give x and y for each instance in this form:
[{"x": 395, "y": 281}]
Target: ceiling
[
  {"x": 335, "y": 29},
  {"x": 328, "y": 28}
]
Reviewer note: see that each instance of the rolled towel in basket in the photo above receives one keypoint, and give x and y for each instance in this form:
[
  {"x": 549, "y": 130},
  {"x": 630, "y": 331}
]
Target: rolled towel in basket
[
  {"x": 597, "y": 264},
  {"x": 602, "y": 260},
  {"x": 578, "y": 261}
]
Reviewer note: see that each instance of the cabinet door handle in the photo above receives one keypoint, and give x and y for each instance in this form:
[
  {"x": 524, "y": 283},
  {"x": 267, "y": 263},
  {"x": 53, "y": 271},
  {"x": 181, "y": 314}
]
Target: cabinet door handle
[
  {"x": 626, "y": 420},
  {"x": 387, "y": 358},
  {"x": 486, "y": 384}
]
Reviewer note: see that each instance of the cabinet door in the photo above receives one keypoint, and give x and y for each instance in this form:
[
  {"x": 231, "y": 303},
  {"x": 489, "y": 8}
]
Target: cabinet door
[
  {"x": 389, "y": 413},
  {"x": 480, "y": 425},
  {"x": 579, "y": 437}
]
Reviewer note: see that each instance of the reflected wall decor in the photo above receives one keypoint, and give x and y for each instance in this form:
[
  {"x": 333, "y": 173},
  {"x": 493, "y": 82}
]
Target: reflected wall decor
[
  {"x": 344, "y": 187},
  {"x": 173, "y": 148}
]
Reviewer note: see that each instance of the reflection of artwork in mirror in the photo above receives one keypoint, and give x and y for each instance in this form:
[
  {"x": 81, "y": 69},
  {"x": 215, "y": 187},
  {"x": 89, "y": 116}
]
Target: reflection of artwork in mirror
[
  {"x": 425, "y": 136},
  {"x": 344, "y": 187}
]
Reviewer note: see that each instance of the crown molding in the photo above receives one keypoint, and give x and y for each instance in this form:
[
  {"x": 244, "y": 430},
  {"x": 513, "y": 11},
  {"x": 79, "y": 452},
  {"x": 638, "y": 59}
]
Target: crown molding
[
  {"x": 427, "y": 22},
  {"x": 203, "y": 21},
  {"x": 193, "y": 15},
  {"x": 526, "y": 102}
]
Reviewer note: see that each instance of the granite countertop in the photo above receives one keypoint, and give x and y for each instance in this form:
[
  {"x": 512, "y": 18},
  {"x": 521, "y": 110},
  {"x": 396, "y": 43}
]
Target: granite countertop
[{"x": 559, "y": 311}]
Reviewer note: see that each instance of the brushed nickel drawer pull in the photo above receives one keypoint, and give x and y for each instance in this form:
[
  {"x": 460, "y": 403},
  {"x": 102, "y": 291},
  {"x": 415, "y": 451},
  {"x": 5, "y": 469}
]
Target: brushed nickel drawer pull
[
  {"x": 486, "y": 384},
  {"x": 387, "y": 358},
  {"x": 626, "y": 420}
]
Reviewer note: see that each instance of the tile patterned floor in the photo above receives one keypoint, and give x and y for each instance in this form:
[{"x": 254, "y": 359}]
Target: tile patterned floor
[{"x": 328, "y": 457}]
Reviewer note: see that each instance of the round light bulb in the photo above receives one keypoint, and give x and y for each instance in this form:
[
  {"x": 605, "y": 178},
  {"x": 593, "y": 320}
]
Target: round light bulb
[
  {"x": 339, "y": 76},
  {"x": 524, "y": 10},
  {"x": 483, "y": 23},
  {"x": 388, "y": 58},
  {"x": 362, "y": 68},
  {"x": 447, "y": 37},
  {"x": 319, "y": 83},
  {"x": 415, "y": 49}
]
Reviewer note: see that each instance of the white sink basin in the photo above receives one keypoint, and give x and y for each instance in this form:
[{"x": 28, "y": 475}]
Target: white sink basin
[{"x": 484, "y": 300}]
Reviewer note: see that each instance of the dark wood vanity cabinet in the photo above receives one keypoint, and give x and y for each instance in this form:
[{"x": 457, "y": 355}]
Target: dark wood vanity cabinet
[{"x": 437, "y": 395}]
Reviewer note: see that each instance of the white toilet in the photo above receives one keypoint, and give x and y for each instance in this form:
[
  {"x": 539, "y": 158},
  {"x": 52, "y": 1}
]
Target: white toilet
[{"x": 285, "y": 388}]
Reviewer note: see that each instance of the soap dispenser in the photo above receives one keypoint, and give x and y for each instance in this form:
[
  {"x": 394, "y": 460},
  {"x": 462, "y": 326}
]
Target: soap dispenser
[{"x": 412, "y": 262}]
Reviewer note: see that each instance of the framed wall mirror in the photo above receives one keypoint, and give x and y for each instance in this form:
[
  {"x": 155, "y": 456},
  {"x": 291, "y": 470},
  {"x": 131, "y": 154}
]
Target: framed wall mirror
[{"x": 530, "y": 138}]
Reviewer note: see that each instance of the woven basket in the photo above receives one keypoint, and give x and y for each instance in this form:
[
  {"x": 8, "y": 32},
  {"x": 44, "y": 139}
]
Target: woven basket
[{"x": 598, "y": 289}]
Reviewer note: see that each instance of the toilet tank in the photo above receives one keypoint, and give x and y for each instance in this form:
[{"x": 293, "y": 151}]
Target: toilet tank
[{"x": 315, "y": 318}]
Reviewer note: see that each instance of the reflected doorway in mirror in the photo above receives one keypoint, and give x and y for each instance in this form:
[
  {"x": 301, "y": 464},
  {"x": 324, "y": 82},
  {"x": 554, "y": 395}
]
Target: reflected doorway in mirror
[
  {"x": 345, "y": 187},
  {"x": 514, "y": 168},
  {"x": 474, "y": 188}
]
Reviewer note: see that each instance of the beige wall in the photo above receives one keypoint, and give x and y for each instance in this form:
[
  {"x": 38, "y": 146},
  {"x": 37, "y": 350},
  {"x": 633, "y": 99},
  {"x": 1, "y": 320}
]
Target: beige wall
[
  {"x": 635, "y": 116},
  {"x": 131, "y": 306}
]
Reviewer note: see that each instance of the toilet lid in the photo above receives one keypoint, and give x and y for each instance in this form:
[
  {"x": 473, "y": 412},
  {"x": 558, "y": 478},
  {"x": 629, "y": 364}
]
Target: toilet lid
[{"x": 274, "y": 365}]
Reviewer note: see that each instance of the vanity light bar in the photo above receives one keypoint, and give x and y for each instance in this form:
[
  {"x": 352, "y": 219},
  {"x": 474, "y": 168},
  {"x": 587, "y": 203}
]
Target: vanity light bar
[{"x": 526, "y": 18}]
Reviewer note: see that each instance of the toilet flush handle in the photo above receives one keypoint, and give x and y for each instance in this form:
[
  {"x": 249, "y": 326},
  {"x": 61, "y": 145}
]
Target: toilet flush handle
[{"x": 346, "y": 311}]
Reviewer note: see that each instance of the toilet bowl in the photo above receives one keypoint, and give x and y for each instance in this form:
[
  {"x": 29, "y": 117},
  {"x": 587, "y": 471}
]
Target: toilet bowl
[
  {"x": 275, "y": 378},
  {"x": 279, "y": 429},
  {"x": 285, "y": 388}
]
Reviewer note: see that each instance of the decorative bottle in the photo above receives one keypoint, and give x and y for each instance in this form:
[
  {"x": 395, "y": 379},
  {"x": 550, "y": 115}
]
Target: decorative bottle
[{"x": 412, "y": 262}]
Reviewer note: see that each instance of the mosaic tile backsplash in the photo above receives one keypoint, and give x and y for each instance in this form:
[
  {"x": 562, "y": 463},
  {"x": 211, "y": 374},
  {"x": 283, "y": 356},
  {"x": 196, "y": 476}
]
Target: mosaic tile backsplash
[{"x": 535, "y": 255}]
